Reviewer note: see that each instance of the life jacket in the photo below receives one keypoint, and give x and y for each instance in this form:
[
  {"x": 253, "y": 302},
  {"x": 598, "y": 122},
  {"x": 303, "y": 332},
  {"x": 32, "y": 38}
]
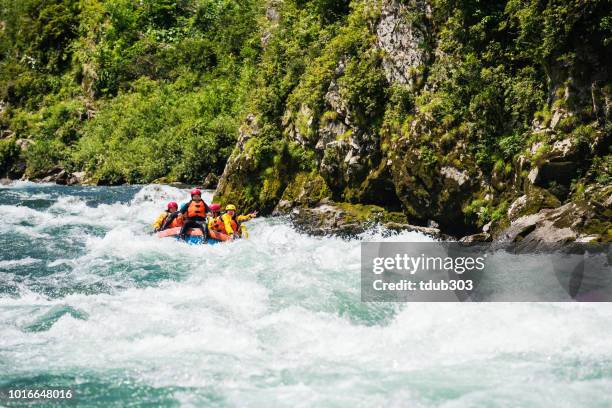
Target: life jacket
[
  {"x": 235, "y": 225},
  {"x": 216, "y": 224},
  {"x": 177, "y": 221},
  {"x": 196, "y": 209}
]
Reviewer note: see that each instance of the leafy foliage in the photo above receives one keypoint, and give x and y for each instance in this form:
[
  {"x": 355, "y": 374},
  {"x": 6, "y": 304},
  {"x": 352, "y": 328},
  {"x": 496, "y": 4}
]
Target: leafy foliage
[
  {"x": 129, "y": 91},
  {"x": 137, "y": 91}
]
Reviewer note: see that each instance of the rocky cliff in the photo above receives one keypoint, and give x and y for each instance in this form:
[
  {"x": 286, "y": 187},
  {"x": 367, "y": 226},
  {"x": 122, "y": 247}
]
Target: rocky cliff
[
  {"x": 476, "y": 118},
  {"x": 489, "y": 119}
]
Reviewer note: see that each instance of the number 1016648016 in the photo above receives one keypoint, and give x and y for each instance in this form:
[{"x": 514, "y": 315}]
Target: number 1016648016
[{"x": 36, "y": 394}]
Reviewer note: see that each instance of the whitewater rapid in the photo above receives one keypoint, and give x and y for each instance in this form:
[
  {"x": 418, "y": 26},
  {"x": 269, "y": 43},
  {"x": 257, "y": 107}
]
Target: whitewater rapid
[{"x": 89, "y": 300}]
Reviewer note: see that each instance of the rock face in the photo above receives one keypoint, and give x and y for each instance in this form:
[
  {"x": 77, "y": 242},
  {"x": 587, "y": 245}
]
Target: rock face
[
  {"x": 403, "y": 41},
  {"x": 306, "y": 190},
  {"x": 382, "y": 118},
  {"x": 239, "y": 165}
]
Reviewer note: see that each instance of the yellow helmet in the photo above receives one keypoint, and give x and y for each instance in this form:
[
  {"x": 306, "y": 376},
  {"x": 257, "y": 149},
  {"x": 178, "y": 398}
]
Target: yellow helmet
[{"x": 230, "y": 207}]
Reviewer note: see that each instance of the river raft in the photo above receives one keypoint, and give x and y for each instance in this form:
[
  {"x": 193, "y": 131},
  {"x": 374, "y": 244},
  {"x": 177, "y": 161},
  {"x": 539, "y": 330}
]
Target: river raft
[{"x": 194, "y": 236}]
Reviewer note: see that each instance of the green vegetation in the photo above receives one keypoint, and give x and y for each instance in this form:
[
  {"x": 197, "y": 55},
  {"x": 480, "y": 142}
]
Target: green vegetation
[{"x": 128, "y": 91}]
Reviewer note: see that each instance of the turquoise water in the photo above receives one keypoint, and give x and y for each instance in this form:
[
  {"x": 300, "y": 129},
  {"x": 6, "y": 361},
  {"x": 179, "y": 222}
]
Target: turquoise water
[{"x": 90, "y": 301}]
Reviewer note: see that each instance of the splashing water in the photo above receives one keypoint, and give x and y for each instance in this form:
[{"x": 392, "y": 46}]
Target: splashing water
[{"x": 89, "y": 300}]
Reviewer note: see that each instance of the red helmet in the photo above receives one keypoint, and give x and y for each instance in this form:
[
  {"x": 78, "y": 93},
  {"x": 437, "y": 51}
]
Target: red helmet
[
  {"x": 196, "y": 191},
  {"x": 172, "y": 204},
  {"x": 215, "y": 207}
]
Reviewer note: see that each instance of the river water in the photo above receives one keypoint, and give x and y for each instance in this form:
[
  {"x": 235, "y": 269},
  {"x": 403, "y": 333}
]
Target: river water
[{"x": 90, "y": 301}]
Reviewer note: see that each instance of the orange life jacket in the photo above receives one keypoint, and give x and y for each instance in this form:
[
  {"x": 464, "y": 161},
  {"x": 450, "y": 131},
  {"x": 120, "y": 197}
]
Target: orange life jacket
[
  {"x": 177, "y": 221},
  {"x": 217, "y": 225},
  {"x": 196, "y": 209},
  {"x": 235, "y": 226}
]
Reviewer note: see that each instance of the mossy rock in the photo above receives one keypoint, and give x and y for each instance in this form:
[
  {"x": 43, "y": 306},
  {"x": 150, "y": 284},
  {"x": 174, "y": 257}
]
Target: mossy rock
[
  {"x": 368, "y": 213},
  {"x": 535, "y": 200},
  {"x": 306, "y": 189},
  {"x": 539, "y": 198},
  {"x": 344, "y": 219}
]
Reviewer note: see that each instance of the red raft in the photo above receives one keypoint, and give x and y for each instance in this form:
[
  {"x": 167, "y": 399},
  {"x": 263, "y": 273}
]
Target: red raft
[{"x": 194, "y": 235}]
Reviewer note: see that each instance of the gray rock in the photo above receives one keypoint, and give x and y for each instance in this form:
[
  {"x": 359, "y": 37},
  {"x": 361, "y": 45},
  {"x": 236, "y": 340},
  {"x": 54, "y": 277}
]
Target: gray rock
[
  {"x": 533, "y": 176},
  {"x": 556, "y": 117},
  {"x": 62, "y": 177},
  {"x": 460, "y": 177},
  {"x": 550, "y": 228},
  {"x": 487, "y": 226},
  {"x": 517, "y": 207},
  {"x": 402, "y": 40},
  {"x": 430, "y": 231},
  {"x": 283, "y": 207},
  {"x": 325, "y": 219},
  {"x": 480, "y": 237},
  {"x": 333, "y": 97},
  {"x": 560, "y": 172},
  {"x": 53, "y": 175},
  {"x": 562, "y": 148},
  {"x": 76, "y": 178},
  {"x": 24, "y": 143},
  {"x": 608, "y": 202},
  {"x": 328, "y": 218}
]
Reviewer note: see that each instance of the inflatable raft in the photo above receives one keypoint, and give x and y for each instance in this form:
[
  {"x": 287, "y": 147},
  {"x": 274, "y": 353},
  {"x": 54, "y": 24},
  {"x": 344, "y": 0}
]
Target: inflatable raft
[{"x": 194, "y": 236}]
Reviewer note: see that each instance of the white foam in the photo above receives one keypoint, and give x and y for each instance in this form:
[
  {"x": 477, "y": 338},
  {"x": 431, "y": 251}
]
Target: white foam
[
  {"x": 276, "y": 319},
  {"x": 14, "y": 263}
]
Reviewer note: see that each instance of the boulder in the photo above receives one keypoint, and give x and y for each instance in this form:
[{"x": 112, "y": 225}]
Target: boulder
[
  {"x": 76, "y": 178},
  {"x": 344, "y": 219},
  {"x": 60, "y": 176},
  {"x": 305, "y": 190},
  {"x": 326, "y": 219},
  {"x": 558, "y": 166},
  {"x": 535, "y": 200},
  {"x": 554, "y": 228},
  {"x": 54, "y": 175},
  {"x": 551, "y": 171}
]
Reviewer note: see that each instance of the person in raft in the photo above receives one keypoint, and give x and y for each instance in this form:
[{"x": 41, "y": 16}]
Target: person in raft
[
  {"x": 214, "y": 220},
  {"x": 231, "y": 221},
  {"x": 177, "y": 221},
  {"x": 194, "y": 214}
]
